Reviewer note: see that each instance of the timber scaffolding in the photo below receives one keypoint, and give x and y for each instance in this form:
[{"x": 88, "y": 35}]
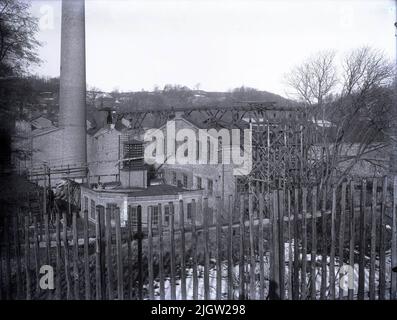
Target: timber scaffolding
[
  {"x": 334, "y": 242},
  {"x": 278, "y": 140}
]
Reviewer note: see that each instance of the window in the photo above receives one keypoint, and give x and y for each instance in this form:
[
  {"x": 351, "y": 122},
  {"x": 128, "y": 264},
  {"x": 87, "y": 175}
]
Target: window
[
  {"x": 189, "y": 211},
  {"x": 85, "y": 203},
  {"x": 174, "y": 178},
  {"x": 199, "y": 183},
  {"x": 186, "y": 151},
  {"x": 166, "y": 216},
  {"x": 133, "y": 151},
  {"x": 185, "y": 181},
  {"x": 134, "y": 216},
  {"x": 210, "y": 186},
  {"x": 92, "y": 213},
  {"x": 155, "y": 215}
]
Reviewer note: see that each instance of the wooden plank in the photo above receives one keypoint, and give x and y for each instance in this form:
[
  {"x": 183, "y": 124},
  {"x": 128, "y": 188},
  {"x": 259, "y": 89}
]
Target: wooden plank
[
  {"x": 290, "y": 253},
  {"x": 109, "y": 252},
  {"x": 47, "y": 237},
  {"x": 276, "y": 247},
  {"x": 36, "y": 254},
  {"x": 342, "y": 232},
  {"x": 66, "y": 258},
  {"x": 394, "y": 242},
  {"x": 362, "y": 234},
  {"x": 76, "y": 282},
  {"x": 382, "y": 249},
  {"x": 150, "y": 252},
  {"x": 140, "y": 264},
  {"x": 7, "y": 259},
  {"x": 87, "y": 282},
  {"x": 372, "y": 269},
  {"x": 252, "y": 246},
  {"x": 58, "y": 289},
  {"x": 332, "y": 246},
  {"x": 324, "y": 244},
  {"x": 129, "y": 258},
  {"x": 17, "y": 247},
  {"x": 27, "y": 260},
  {"x": 172, "y": 247},
  {"x": 352, "y": 234},
  {"x": 260, "y": 249},
  {"x": 98, "y": 254},
  {"x": 295, "y": 284},
  {"x": 304, "y": 245},
  {"x": 281, "y": 248},
  {"x": 161, "y": 253},
  {"x": 206, "y": 252},
  {"x": 183, "y": 248},
  {"x": 194, "y": 250},
  {"x": 242, "y": 255},
  {"x": 218, "y": 215},
  {"x": 119, "y": 256},
  {"x": 314, "y": 245}
]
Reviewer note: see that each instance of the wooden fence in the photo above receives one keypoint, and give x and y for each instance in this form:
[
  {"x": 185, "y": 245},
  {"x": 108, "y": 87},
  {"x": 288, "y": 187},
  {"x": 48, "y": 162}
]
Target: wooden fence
[{"x": 309, "y": 243}]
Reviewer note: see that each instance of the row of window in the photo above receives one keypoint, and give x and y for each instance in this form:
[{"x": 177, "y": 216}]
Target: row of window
[{"x": 154, "y": 210}]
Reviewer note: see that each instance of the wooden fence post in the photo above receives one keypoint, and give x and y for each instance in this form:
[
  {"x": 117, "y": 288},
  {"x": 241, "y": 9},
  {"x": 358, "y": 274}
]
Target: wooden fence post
[
  {"x": 304, "y": 244},
  {"x": 373, "y": 242},
  {"x": 295, "y": 285},
  {"x": 109, "y": 251},
  {"x": 98, "y": 254},
  {"x": 76, "y": 282},
  {"x": 242, "y": 254},
  {"x": 58, "y": 289},
  {"x": 150, "y": 251},
  {"x": 140, "y": 265},
  {"x": 252, "y": 246},
  {"x": 362, "y": 235},
  {"x": 352, "y": 235},
  {"x": 86, "y": 258},
  {"x": 120, "y": 271},
  {"x": 332, "y": 250},
  {"x": 194, "y": 250},
  {"x": 218, "y": 215},
  {"x": 314, "y": 245},
  {"x": 261, "y": 250},
  {"x": 206, "y": 252},
  {"x": 161, "y": 256},
  {"x": 183, "y": 248},
  {"x": 394, "y": 242},
  {"x": 290, "y": 254},
  {"x": 324, "y": 243},
  {"x": 342, "y": 233},
  {"x": 172, "y": 251},
  {"x": 276, "y": 247},
  {"x": 36, "y": 254},
  {"x": 281, "y": 247},
  {"x": 17, "y": 246},
  {"x": 382, "y": 250},
  {"x": 27, "y": 259}
]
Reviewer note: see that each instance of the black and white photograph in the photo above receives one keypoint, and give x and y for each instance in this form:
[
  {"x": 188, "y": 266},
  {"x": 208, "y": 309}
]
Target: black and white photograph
[{"x": 207, "y": 150}]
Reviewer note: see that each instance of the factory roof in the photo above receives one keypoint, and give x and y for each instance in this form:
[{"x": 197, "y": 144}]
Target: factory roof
[{"x": 150, "y": 191}]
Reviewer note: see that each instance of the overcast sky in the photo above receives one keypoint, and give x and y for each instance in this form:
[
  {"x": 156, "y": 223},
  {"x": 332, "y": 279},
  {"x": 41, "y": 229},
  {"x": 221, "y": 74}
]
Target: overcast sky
[{"x": 219, "y": 44}]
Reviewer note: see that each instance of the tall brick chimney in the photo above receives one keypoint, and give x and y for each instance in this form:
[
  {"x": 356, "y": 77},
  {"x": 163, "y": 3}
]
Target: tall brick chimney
[{"x": 72, "y": 96}]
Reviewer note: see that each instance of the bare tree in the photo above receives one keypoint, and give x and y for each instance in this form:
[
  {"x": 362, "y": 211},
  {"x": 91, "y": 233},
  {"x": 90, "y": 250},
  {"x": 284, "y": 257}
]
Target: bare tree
[{"x": 346, "y": 111}]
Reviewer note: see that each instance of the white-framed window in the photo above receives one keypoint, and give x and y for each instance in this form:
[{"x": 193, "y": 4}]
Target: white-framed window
[
  {"x": 210, "y": 186},
  {"x": 189, "y": 211},
  {"x": 174, "y": 178},
  {"x": 92, "y": 212},
  {"x": 185, "y": 181},
  {"x": 155, "y": 215},
  {"x": 166, "y": 215},
  {"x": 199, "y": 182}
]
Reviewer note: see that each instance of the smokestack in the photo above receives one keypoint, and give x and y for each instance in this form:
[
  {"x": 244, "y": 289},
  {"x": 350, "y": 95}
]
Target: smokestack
[{"x": 72, "y": 96}]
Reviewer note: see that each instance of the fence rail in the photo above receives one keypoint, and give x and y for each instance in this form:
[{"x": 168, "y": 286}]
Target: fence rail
[{"x": 309, "y": 243}]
